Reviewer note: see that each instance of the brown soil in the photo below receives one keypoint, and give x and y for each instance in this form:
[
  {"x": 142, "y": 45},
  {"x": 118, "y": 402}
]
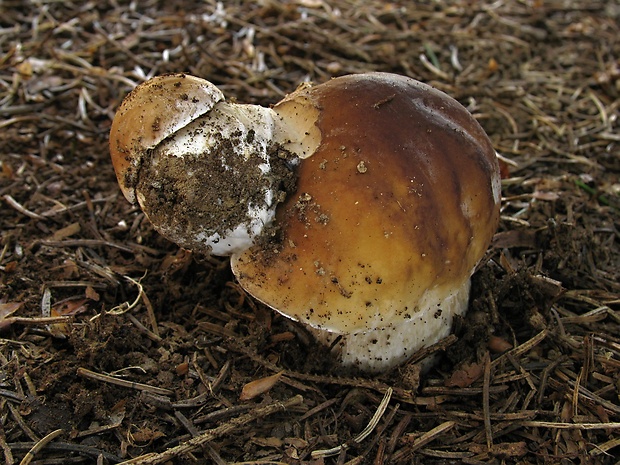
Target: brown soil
[{"x": 117, "y": 345}]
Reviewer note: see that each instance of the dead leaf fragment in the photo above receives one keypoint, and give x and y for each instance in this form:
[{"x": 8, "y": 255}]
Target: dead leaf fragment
[
  {"x": 6, "y": 310},
  {"x": 10, "y": 267},
  {"x": 466, "y": 375},
  {"x": 91, "y": 294},
  {"x": 182, "y": 369},
  {"x": 68, "y": 307},
  {"x": 145, "y": 436},
  {"x": 542, "y": 195},
  {"x": 514, "y": 238},
  {"x": 498, "y": 344},
  {"x": 268, "y": 442},
  {"x": 259, "y": 386},
  {"x": 505, "y": 450},
  {"x": 67, "y": 231}
]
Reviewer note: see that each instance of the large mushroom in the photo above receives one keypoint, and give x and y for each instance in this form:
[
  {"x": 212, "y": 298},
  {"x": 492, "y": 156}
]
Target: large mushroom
[{"x": 358, "y": 207}]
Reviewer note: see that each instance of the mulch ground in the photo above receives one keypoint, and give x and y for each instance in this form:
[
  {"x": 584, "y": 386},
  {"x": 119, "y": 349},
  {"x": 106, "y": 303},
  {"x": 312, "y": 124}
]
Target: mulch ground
[{"x": 117, "y": 346}]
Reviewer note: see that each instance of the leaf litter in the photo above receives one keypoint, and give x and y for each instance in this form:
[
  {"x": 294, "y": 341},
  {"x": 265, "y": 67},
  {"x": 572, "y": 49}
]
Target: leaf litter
[{"x": 117, "y": 347}]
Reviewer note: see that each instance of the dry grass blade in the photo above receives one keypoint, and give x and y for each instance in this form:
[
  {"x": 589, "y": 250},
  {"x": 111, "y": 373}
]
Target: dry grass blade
[
  {"x": 39, "y": 446},
  {"x": 122, "y": 382},
  {"x": 372, "y": 424},
  {"x": 20, "y": 208}
]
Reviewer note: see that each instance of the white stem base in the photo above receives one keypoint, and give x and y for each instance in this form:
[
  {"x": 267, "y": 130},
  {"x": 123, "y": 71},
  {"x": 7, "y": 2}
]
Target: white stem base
[{"x": 386, "y": 347}]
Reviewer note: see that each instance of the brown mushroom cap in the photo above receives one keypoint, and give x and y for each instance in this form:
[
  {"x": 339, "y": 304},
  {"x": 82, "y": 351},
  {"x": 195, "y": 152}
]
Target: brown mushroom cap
[
  {"x": 399, "y": 201},
  {"x": 153, "y": 111}
]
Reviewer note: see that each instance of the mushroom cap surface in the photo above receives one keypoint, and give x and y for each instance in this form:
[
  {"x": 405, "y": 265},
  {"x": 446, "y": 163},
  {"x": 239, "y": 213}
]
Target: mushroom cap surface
[
  {"x": 395, "y": 207},
  {"x": 150, "y": 113}
]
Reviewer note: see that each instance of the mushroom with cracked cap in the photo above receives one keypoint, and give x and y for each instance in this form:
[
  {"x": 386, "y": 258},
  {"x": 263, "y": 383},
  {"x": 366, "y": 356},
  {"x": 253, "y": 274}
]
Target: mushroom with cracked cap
[{"x": 359, "y": 207}]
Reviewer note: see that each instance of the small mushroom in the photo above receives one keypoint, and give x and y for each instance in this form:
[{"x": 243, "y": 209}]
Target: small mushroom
[{"x": 358, "y": 207}]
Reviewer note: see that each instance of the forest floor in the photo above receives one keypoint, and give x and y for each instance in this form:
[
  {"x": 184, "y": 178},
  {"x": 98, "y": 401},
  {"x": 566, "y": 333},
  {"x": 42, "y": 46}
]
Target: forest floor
[{"x": 117, "y": 346}]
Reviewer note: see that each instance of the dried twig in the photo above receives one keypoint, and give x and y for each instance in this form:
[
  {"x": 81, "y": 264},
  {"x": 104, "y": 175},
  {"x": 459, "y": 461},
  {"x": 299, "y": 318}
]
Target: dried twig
[
  {"x": 486, "y": 408},
  {"x": 8, "y": 455},
  {"x": 423, "y": 440}
]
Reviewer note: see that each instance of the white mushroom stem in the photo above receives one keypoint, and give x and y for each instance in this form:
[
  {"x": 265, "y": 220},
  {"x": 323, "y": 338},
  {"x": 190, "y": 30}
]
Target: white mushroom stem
[{"x": 389, "y": 345}]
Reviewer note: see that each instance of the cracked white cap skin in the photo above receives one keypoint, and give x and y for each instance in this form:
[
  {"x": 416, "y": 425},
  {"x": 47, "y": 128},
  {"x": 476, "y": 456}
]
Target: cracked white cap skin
[
  {"x": 201, "y": 138},
  {"x": 152, "y": 112},
  {"x": 166, "y": 142}
]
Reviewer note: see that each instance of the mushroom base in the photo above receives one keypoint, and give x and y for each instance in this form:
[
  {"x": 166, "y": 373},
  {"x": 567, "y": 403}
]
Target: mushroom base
[{"x": 386, "y": 347}]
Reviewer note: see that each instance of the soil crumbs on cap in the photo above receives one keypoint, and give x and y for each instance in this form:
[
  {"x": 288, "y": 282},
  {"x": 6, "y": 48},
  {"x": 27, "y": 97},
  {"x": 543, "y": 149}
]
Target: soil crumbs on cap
[
  {"x": 198, "y": 195},
  {"x": 117, "y": 344}
]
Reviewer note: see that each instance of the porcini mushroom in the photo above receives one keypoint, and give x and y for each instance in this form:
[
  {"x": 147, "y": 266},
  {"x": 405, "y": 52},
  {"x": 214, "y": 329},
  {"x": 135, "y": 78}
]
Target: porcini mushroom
[{"x": 359, "y": 207}]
